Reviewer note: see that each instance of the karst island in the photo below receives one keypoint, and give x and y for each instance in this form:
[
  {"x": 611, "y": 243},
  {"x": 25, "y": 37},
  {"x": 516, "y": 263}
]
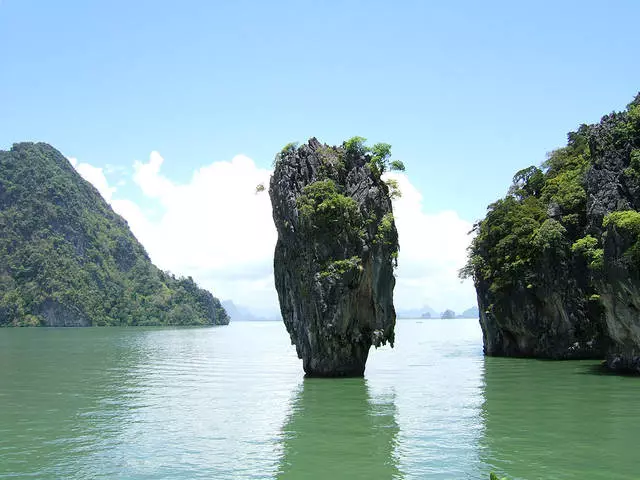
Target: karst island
[{"x": 336, "y": 251}]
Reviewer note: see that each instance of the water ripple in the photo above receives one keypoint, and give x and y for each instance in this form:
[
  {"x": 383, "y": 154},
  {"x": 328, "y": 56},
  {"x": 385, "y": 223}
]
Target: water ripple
[{"x": 232, "y": 403}]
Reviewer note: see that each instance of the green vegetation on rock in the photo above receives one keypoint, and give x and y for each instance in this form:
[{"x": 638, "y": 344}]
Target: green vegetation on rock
[
  {"x": 565, "y": 233},
  {"x": 323, "y": 208},
  {"x": 337, "y": 268},
  {"x": 67, "y": 259},
  {"x": 588, "y": 248},
  {"x": 628, "y": 220},
  {"x": 336, "y": 250},
  {"x": 628, "y": 223},
  {"x": 288, "y": 148},
  {"x": 379, "y": 155},
  {"x": 394, "y": 188},
  {"x": 545, "y": 210},
  {"x": 385, "y": 230}
]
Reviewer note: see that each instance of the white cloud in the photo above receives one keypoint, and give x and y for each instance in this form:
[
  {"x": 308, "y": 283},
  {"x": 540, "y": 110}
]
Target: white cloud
[
  {"x": 432, "y": 250},
  {"x": 94, "y": 175},
  {"x": 214, "y": 228},
  {"x": 111, "y": 169},
  {"x": 147, "y": 176},
  {"x": 218, "y": 230}
]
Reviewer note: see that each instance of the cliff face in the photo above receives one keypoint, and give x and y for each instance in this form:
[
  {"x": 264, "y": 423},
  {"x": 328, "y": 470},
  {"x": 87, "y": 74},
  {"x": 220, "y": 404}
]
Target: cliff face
[
  {"x": 613, "y": 186},
  {"x": 556, "y": 263},
  {"x": 335, "y": 254},
  {"x": 66, "y": 259},
  {"x": 551, "y": 319}
]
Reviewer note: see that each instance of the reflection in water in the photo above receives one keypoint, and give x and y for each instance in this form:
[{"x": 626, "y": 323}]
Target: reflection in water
[
  {"x": 143, "y": 403},
  {"x": 202, "y": 411},
  {"x": 545, "y": 420},
  {"x": 211, "y": 403},
  {"x": 337, "y": 426}
]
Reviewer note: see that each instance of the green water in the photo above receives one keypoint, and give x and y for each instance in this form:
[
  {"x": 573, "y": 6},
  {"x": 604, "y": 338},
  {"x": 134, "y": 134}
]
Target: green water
[{"x": 231, "y": 402}]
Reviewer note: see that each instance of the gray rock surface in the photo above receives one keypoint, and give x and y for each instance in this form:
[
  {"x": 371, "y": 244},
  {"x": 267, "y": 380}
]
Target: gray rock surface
[
  {"x": 56, "y": 314},
  {"x": 564, "y": 304},
  {"x": 552, "y": 319},
  {"x": 333, "y": 262},
  {"x": 612, "y": 187}
]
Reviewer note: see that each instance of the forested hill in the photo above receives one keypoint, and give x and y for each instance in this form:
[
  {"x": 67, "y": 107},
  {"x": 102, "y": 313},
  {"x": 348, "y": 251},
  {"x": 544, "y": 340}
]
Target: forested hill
[{"x": 66, "y": 259}]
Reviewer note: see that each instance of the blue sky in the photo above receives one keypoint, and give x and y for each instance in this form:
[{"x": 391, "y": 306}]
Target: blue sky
[{"x": 466, "y": 92}]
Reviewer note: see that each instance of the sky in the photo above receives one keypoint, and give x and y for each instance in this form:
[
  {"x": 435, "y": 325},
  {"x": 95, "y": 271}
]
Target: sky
[{"x": 175, "y": 110}]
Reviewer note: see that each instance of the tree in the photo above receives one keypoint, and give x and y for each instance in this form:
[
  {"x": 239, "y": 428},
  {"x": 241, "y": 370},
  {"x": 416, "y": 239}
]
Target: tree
[
  {"x": 379, "y": 155},
  {"x": 64, "y": 250}
]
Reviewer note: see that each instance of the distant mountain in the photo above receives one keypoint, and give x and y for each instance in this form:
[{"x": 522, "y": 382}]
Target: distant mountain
[
  {"x": 236, "y": 313},
  {"x": 428, "y": 312},
  {"x": 448, "y": 314},
  {"x": 472, "y": 312},
  {"x": 425, "y": 312},
  {"x": 67, "y": 259},
  {"x": 239, "y": 313}
]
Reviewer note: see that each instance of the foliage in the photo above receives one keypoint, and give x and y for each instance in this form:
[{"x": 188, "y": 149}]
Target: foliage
[
  {"x": 287, "y": 149},
  {"x": 394, "y": 188},
  {"x": 394, "y": 258},
  {"x": 379, "y": 155},
  {"x": 332, "y": 163},
  {"x": 323, "y": 207},
  {"x": 544, "y": 214},
  {"x": 628, "y": 221},
  {"x": 587, "y": 247},
  {"x": 527, "y": 182},
  {"x": 397, "y": 165},
  {"x": 501, "y": 252},
  {"x": 260, "y": 188},
  {"x": 551, "y": 235},
  {"x": 634, "y": 164},
  {"x": 355, "y": 146},
  {"x": 62, "y": 243},
  {"x": 337, "y": 268},
  {"x": 384, "y": 234},
  {"x": 333, "y": 218}
]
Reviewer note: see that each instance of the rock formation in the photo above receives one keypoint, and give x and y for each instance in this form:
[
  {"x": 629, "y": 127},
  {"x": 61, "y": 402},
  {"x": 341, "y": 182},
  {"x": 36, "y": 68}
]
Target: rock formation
[
  {"x": 556, "y": 263},
  {"x": 548, "y": 320},
  {"x": 334, "y": 259},
  {"x": 67, "y": 259}
]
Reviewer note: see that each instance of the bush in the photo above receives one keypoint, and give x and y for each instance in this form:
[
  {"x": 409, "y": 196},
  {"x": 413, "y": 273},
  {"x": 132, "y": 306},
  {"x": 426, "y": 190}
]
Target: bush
[
  {"x": 627, "y": 220},
  {"x": 322, "y": 206}
]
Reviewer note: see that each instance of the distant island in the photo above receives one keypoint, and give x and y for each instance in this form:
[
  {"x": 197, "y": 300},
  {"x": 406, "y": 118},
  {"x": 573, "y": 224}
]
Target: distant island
[
  {"x": 67, "y": 259},
  {"x": 471, "y": 312},
  {"x": 428, "y": 312},
  {"x": 448, "y": 314},
  {"x": 241, "y": 313}
]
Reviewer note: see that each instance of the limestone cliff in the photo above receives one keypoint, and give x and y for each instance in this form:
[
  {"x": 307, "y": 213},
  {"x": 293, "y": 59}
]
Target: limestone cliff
[
  {"x": 556, "y": 262},
  {"x": 334, "y": 259},
  {"x": 549, "y": 318}
]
